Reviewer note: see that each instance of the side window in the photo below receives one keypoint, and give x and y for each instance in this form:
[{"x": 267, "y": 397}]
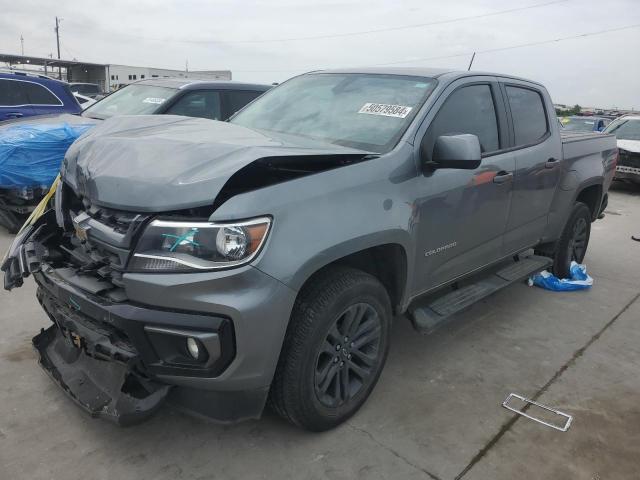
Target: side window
[
  {"x": 529, "y": 117},
  {"x": 239, "y": 98},
  {"x": 39, "y": 95},
  {"x": 203, "y": 104},
  {"x": 12, "y": 93},
  {"x": 467, "y": 110}
]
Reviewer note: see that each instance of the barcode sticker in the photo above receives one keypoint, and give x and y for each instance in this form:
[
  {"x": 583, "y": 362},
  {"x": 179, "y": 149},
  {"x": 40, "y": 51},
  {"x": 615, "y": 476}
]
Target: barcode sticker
[
  {"x": 398, "y": 111},
  {"x": 155, "y": 100}
]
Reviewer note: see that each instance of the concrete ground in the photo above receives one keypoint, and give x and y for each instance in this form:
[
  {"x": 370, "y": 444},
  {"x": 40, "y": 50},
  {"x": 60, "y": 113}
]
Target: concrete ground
[{"x": 435, "y": 414}]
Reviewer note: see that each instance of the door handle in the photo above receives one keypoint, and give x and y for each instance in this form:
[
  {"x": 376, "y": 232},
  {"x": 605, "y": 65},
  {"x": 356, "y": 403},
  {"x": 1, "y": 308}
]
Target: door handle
[
  {"x": 503, "y": 177},
  {"x": 14, "y": 115},
  {"x": 551, "y": 163}
]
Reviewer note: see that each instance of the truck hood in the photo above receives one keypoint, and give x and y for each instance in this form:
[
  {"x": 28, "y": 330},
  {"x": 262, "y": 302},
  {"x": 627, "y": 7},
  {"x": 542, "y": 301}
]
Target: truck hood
[
  {"x": 629, "y": 145},
  {"x": 156, "y": 163}
]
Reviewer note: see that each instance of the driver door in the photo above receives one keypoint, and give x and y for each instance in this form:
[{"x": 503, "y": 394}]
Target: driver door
[{"x": 463, "y": 213}]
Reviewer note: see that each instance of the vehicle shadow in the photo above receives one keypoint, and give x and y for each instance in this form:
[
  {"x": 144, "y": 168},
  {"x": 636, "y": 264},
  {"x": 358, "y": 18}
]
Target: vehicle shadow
[{"x": 626, "y": 187}]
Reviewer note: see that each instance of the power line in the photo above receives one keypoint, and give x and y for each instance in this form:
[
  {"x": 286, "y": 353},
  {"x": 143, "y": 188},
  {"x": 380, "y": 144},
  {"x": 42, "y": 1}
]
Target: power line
[
  {"x": 362, "y": 32},
  {"x": 513, "y": 47},
  {"x": 468, "y": 53}
]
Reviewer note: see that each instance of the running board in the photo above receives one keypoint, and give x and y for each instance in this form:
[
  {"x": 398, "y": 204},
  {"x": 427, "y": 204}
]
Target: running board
[{"x": 431, "y": 312}]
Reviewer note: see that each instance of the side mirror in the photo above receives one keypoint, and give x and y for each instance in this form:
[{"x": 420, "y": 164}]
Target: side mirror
[{"x": 456, "y": 151}]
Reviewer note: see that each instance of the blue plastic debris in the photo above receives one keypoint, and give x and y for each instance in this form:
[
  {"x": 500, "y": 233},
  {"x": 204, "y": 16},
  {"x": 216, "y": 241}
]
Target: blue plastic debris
[
  {"x": 579, "y": 280},
  {"x": 31, "y": 155}
]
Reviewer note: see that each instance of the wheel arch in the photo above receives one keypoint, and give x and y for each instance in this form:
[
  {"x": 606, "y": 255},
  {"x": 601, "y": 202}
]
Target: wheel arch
[
  {"x": 385, "y": 260},
  {"x": 591, "y": 195}
]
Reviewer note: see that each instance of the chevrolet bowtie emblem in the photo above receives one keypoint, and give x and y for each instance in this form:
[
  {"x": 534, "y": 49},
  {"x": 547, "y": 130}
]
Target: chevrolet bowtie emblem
[{"x": 80, "y": 229}]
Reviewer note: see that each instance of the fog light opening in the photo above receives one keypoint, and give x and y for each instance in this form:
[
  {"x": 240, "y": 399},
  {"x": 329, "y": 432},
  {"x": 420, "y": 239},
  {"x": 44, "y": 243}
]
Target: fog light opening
[{"x": 193, "y": 348}]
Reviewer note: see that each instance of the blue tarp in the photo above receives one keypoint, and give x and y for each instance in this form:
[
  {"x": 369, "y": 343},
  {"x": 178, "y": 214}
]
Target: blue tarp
[
  {"x": 31, "y": 154},
  {"x": 579, "y": 280}
]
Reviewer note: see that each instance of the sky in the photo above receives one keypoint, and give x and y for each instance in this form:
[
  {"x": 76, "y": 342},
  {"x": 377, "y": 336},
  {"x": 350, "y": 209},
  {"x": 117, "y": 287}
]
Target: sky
[{"x": 270, "y": 41}]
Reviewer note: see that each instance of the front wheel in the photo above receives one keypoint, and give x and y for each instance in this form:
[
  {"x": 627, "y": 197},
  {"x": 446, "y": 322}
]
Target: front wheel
[
  {"x": 334, "y": 351},
  {"x": 572, "y": 245}
]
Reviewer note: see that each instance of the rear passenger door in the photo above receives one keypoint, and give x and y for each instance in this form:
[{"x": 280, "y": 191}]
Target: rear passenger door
[
  {"x": 198, "y": 103},
  {"x": 463, "y": 213},
  {"x": 42, "y": 100},
  {"x": 14, "y": 102},
  {"x": 538, "y": 156},
  {"x": 235, "y": 100}
]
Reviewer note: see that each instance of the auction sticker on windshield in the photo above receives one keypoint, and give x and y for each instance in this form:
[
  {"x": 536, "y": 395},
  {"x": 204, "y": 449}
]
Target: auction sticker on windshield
[
  {"x": 385, "y": 110},
  {"x": 155, "y": 100}
]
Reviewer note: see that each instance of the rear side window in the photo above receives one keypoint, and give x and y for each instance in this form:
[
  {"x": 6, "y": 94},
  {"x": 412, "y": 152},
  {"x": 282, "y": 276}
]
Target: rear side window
[
  {"x": 238, "y": 99},
  {"x": 467, "y": 110},
  {"x": 39, "y": 95},
  {"x": 12, "y": 93},
  {"x": 202, "y": 104},
  {"x": 529, "y": 117}
]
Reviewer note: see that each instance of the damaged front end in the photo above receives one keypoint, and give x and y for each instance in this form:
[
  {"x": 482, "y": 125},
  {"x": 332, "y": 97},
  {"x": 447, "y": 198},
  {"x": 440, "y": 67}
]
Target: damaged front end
[
  {"x": 104, "y": 351},
  {"x": 93, "y": 362},
  {"x": 628, "y": 167}
]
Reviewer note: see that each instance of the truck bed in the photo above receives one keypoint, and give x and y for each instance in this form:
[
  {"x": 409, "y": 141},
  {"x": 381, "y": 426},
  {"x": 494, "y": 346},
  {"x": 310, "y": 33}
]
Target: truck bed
[{"x": 578, "y": 144}]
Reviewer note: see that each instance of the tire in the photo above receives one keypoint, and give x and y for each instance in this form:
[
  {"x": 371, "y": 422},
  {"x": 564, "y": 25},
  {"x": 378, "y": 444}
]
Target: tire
[
  {"x": 574, "y": 240},
  {"x": 10, "y": 221},
  {"x": 316, "y": 363}
]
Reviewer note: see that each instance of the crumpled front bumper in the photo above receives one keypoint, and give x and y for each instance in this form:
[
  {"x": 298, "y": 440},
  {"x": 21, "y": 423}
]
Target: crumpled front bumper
[
  {"x": 624, "y": 172},
  {"x": 102, "y": 387}
]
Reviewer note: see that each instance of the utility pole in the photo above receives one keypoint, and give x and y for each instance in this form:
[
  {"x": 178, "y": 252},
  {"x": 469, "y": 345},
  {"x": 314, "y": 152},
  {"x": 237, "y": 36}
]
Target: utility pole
[
  {"x": 58, "y": 43},
  {"x": 186, "y": 66},
  {"x": 22, "y": 44}
]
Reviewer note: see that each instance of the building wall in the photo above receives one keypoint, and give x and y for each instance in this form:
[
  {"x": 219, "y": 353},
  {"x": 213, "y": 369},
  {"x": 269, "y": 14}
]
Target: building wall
[
  {"x": 88, "y": 74},
  {"x": 120, "y": 75}
]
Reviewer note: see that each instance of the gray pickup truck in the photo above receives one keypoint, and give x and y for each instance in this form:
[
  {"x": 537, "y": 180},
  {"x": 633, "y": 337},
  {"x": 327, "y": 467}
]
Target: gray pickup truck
[{"x": 225, "y": 266}]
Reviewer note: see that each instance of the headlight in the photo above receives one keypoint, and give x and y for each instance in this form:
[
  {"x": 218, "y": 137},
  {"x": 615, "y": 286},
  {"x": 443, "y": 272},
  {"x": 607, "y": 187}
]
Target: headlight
[{"x": 168, "y": 245}]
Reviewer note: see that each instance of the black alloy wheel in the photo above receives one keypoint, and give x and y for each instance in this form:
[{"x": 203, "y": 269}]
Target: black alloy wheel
[{"x": 348, "y": 356}]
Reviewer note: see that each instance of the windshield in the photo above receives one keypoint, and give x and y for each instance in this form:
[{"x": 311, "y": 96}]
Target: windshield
[
  {"x": 625, "y": 129},
  {"x": 130, "y": 100},
  {"x": 578, "y": 124},
  {"x": 365, "y": 111}
]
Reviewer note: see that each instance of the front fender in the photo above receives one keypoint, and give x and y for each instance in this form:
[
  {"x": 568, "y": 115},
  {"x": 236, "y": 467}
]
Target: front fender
[{"x": 321, "y": 218}]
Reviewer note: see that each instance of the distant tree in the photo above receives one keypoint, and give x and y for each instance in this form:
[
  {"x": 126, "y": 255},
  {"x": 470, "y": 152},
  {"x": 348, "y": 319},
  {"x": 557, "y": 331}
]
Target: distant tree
[{"x": 575, "y": 110}]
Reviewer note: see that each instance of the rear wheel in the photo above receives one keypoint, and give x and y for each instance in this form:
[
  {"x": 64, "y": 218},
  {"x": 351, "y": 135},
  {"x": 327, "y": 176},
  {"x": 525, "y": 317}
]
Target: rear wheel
[
  {"x": 572, "y": 245},
  {"x": 334, "y": 351}
]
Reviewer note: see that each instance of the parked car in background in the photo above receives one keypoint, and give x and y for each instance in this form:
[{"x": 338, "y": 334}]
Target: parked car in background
[
  {"x": 215, "y": 100},
  {"x": 26, "y": 95},
  {"x": 91, "y": 90},
  {"x": 45, "y": 141},
  {"x": 262, "y": 260},
  {"x": 584, "y": 124},
  {"x": 627, "y": 131}
]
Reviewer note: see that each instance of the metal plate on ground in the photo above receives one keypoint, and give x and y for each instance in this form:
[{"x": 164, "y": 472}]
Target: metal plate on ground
[{"x": 566, "y": 418}]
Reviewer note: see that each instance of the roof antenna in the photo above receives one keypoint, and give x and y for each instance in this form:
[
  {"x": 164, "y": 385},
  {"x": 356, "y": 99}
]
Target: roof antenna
[{"x": 471, "y": 62}]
